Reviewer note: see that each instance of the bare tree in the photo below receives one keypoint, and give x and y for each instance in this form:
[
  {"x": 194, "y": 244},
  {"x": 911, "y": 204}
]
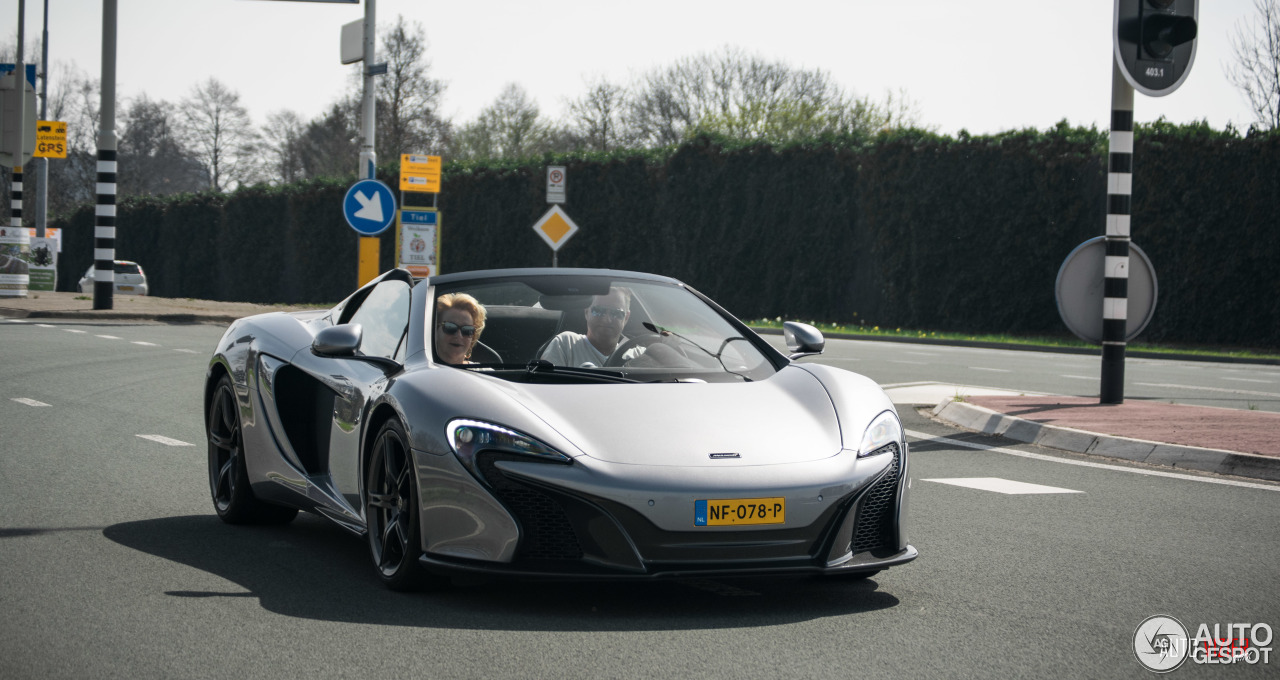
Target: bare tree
[
  {"x": 74, "y": 99},
  {"x": 511, "y": 127},
  {"x": 329, "y": 146},
  {"x": 596, "y": 117},
  {"x": 408, "y": 101},
  {"x": 282, "y": 142},
  {"x": 149, "y": 147},
  {"x": 1256, "y": 71},
  {"x": 219, "y": 131}
]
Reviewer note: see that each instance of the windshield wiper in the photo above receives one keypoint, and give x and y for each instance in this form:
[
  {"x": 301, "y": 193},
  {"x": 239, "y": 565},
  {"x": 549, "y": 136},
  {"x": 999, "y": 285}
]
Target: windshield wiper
[
  {"x": 546, "y": 367},
  {"x": 654, "y": 328}
]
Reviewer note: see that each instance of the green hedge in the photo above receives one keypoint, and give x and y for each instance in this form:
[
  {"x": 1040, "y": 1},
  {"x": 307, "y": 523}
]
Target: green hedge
[{"x": 908, "y": 229}]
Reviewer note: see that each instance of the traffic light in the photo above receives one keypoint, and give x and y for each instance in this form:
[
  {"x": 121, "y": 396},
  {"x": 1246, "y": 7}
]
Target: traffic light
[{"x": 1155, "y": 43}]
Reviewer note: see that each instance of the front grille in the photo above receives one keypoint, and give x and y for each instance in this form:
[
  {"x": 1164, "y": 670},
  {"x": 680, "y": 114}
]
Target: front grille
[
  {"x": 875, "y": 530},
  {"x": 545, "y": 531}
]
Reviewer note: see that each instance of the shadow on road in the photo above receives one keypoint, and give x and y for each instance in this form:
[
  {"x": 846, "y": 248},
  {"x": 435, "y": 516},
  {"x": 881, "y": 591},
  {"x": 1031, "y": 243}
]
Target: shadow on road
[{"x": 312, "y": 569}]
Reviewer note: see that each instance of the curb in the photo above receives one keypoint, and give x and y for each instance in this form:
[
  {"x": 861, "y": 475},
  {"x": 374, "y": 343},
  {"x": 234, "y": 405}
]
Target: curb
[
  {"x": 987, "y": 421},
  {"x": 222, "y": 319},
  {"x": 983, "y": 344}
]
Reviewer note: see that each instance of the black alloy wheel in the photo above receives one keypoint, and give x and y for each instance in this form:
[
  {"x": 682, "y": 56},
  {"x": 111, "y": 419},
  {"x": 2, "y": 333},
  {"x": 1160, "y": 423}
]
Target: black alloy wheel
[
  {"x": 392, "y": 511},
  {"x": 233, "y": 499}
]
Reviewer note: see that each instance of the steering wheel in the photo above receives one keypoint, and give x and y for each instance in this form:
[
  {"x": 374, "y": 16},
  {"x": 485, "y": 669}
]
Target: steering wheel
[{"x": 645, "y": 340}]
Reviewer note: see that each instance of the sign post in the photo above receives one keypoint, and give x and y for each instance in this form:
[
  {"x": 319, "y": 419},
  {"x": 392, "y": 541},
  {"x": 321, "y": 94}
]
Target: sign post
[
  {"x": 369, "y": 208},
  {"x": 418, "y": 231},
  {"x": 1153, "y": 47}
]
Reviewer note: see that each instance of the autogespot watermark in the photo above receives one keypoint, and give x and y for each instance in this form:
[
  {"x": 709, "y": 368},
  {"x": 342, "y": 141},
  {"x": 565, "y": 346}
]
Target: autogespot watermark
[{"x": 1161, "y": 644}]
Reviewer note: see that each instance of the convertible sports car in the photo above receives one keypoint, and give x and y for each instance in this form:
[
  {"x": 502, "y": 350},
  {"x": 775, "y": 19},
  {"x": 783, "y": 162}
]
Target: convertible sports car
[{"x": 693, "y": 448}]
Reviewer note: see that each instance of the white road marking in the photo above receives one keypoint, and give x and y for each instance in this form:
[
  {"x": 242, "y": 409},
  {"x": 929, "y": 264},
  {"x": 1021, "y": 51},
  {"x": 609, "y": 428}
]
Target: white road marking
[
  {"x": 1209, "y": 389},
  {"x": 1264, "y": 382},
  {"x": 107, "y": 337},
  {"x": 914, "y": 363},
  {"x": 145, "y": 344},
  {"x": 998, "y": 485},
  {"x": 186, "y": 351},
  {"x": 73, "y": 330},
  {"x": 1084, "y": 463},
  {"x": 165, "y": 440},
  {"x": 1080, "y": 377},
  {"x": 29, "y": 402},
  {"x": 993, "y": 370},
  {"x": 16, "y": 320},
  {"x": 922, "y": 354},
  {"x": 43, "y": 325}
]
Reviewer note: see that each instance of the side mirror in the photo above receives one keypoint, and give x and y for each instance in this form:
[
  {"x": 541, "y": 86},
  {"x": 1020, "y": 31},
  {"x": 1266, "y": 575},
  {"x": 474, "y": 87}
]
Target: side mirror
[
  {"x": 802, "y": 339},
  {"x": 338, "y": 341}
]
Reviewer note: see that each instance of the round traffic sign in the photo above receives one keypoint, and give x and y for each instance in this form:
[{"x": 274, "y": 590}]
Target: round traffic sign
[
  {"x": 369, "y": 207},
  {"x": 1079, "y": 290}
]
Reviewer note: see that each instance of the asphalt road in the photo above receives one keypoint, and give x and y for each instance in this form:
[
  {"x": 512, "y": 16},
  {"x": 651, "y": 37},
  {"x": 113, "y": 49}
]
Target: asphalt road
[{"x": 114, "y": 564}]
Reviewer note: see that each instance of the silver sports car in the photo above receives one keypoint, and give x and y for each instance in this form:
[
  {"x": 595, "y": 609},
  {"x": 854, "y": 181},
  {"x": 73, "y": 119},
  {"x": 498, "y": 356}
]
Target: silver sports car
[{"x": 555, "y": 422}]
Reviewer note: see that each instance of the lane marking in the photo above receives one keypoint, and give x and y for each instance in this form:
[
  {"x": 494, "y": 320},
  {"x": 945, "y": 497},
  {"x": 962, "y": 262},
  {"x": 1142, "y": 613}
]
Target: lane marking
[
  {"x": 998, "y": 485},
  {"x": 145, "y": 344},
  {"x": 45, "y": 325},
  {"x": 165, "y": 440},
  {"x": 107, "y": 337},
  {"x": 16, "y": 320},
  {"x": 1079, "y": 377},
  {"x": 1252, "y": 380},
  {"x": 993, "y": 370},
  {"x": 922, "y": 354},
  {"x": 1209, "y": 389},
  {"x": 29, "y": 402},
  {"x": 914, "y": 363},
  {"x": 1084, "y": 463},
  {"x": 186, "y": 351},
  {"x": 73, "y": 330}
]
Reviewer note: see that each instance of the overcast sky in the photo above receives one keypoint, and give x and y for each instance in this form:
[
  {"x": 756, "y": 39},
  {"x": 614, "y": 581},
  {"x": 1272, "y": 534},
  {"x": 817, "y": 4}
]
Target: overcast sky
[{"x": 983, "y": 65}]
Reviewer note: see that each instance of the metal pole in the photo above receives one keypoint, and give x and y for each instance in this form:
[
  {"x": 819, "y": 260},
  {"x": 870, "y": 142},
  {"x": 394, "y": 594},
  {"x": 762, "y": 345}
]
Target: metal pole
[
  {"x": 42, "y": 164},
  {"x": 104, "y": 230},
  {"x": 1115, "y": 300},
  {"x": 368, "y": 157}
]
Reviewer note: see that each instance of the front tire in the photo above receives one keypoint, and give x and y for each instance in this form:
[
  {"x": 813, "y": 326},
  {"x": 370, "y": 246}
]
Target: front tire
[
  {"x": 391, "y": 511},
  {"x": 233, "y": 498}
]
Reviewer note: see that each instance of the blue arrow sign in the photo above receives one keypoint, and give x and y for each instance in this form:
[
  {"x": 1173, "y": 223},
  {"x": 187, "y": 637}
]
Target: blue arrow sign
[{"x": 369, "y": 207}]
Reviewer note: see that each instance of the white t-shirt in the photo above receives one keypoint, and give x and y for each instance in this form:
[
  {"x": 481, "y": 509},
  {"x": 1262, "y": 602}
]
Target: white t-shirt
[{"x": 574, "y": 349}]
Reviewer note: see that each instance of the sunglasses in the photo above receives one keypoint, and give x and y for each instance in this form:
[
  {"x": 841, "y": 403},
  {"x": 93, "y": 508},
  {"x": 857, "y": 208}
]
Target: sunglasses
[
  {"x": 611, "y": 312},
  {"x": 450, "y": 328}
]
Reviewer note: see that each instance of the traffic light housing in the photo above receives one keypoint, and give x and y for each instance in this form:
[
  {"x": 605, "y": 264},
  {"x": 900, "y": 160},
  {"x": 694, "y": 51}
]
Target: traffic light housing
[{"x": 1155, "y": 43}]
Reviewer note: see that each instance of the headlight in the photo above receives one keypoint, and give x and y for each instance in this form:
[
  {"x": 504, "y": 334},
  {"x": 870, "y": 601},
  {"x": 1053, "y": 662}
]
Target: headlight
[
  {"x": 884, "y": 435},
  {"x": 469, "y": 437}
]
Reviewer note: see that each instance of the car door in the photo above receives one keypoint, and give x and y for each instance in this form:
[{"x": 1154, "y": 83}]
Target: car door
[{"x": 346, "y": 385}]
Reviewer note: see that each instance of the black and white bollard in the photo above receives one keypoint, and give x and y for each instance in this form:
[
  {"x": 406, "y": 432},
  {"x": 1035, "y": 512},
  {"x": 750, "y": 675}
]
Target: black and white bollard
[
  {"x": 104, "y": 232},
  {"x": 1115, "y": 301}
]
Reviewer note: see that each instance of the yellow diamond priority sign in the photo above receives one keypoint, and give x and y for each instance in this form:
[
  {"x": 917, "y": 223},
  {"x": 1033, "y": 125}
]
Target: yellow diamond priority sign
[{"x": 555, "y": 227}]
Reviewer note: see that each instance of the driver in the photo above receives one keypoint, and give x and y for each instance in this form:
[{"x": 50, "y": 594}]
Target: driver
[{"x": 606, "y": 317}]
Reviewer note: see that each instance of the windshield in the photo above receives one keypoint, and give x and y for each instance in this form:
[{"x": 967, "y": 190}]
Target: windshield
[{"x": 573, "y": 328}]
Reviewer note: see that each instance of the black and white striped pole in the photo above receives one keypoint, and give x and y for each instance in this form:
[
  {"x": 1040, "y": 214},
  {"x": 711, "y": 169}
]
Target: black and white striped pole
[
  {"x": 1154, "y": 45},
  {"x": 1115, "y": 297},
  {"x": 104, "y": 224}
]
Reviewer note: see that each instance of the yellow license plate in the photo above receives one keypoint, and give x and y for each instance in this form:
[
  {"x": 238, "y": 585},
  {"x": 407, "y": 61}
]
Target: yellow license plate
[
  {"x": 126, "y": 287},
  {"x": 735, "y": 511}
]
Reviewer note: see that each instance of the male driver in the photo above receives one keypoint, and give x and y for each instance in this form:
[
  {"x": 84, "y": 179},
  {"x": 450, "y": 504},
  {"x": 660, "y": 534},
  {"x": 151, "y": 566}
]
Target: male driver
[{"x": 606, "y": 317}]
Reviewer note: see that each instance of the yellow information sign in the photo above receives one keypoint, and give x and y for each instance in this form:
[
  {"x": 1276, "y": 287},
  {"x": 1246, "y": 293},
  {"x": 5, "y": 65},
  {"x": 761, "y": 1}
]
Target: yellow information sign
[
  {"x": 420, "y": 173},
  {"x": 51, "y": 139}
]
